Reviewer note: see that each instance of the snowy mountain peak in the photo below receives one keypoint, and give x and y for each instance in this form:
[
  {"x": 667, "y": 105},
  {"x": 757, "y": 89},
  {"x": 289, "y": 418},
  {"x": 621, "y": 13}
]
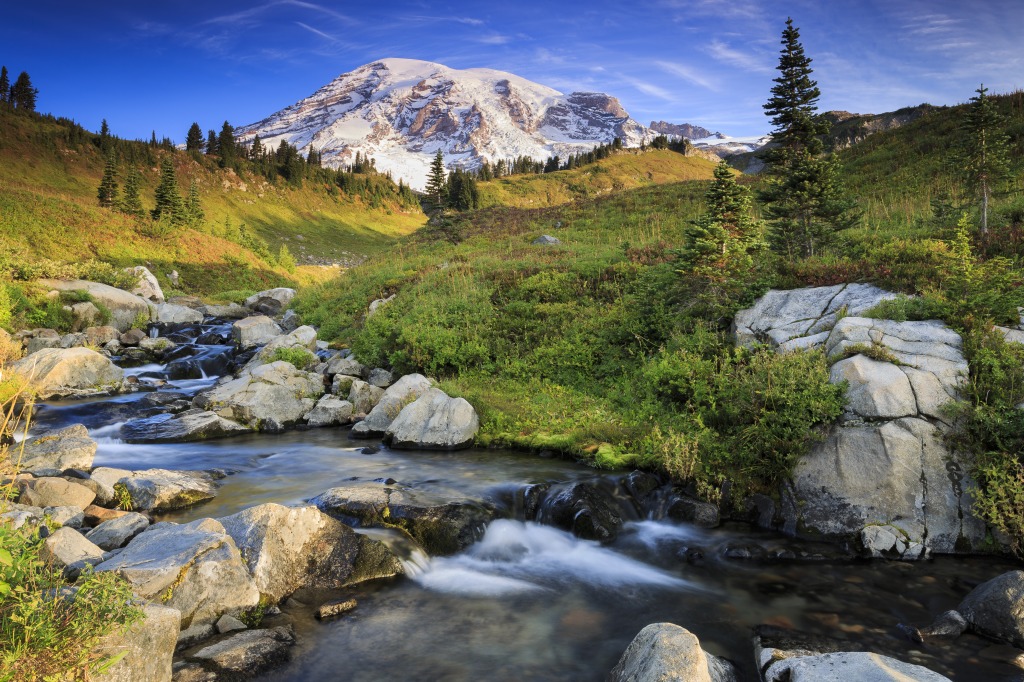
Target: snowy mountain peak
[{"x": 401, "y": 111}]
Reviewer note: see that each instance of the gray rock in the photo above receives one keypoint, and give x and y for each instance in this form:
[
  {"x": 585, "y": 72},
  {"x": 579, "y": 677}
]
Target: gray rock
[
  {"x": 118, "y": 532},
  {"x": 546, "y": 240},
  {"x": 381, "y": 378},
  {"x": 193, "y": 567},
  {"x": 69, "y": 373},
  {"x": 846, "y": 666},
  {"x": 149, "y": 645},
  {"x": 290, "y": 321},
  {"x": 164, "y": 489},
  {"x": 72, "y": 517},
  {"x": 148, "y": 287},
  {"x": 342, "y": 384},
  {"x": 195, "y": 634},
  {"x": 124, "y": 307},
  {"x": 434, "y": 421},
  {"x": 301, "y": 337},
  {"x": 101, "y": 336},
  {"x": 662, "y": 652},
  {"x": 254, "y": 331},
  {"x": 875, "y": 389},
  {"x": 55, "y": 492},
  {"x": 287, "y": 548},
  {"x": 441, "y": 529},
  {"x": 335, "y": 608},
  {"x": 248, "y": 652},
  {"x": 158, "y": 346},
  {"x": 269, "y": 398},
  {"x": 363, "y": 396},
  {"x": 169, "y": 313},
  {"x": 394, "y": 399},
  {"x": 949, "y": 624},
  {"x": 67, "y": 448},
  {"x": 378, "y": 303},
  {"x": 85, "y": 313},
  {"x": 38, "y": 339},
  {"x": 68, "y": 549},
  {"x": 1011, "y": 335},
  {"x": 72, "y": 340},
  {"x": 348, "y": 366},
  {"x": 231, "y": 311},
  {"x": 330, "y": 410},
  {"x": 184, "y": 427},
  {"x": 996, "y": 608},
  {"x": 779, "y": 316},
  {"x": 228, "y": 623},
  {"x": 283, "y": 296},
  {"x": 889, "y": 542},
  {"x": 898, "y": 474},
  {"x": 132, "y": 337}
]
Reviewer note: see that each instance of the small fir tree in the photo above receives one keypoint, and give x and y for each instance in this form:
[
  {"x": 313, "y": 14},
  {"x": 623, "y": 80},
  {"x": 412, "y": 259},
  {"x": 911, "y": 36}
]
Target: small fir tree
[
  {"x": 803, "y": 198},
  {"x": 436, "y": 181},
  {"x": 23, "y": 95},
  {"x": 193, "y": 206},
  {"x": 131, "y": 202},
  {"x": 5, "y": 86},
  {"x": 285, "y": 258},
  {"x": 226, "y": 145},
  {"x": 212, "y": 148},
  {"x": 194, "y": 139},
  {"x": 256, "y": 151},
  {"x": 107, "y": 193},
  {"x": 983, "y": 155},
  {"x": 169, "y": 206}
]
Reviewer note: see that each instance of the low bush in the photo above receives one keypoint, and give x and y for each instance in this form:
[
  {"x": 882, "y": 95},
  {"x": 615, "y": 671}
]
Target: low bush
[{"x": 299, "y": 357}]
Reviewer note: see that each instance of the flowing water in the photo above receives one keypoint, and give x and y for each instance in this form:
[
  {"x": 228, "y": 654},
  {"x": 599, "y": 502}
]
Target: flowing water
[{"x": 530, "y": 602}]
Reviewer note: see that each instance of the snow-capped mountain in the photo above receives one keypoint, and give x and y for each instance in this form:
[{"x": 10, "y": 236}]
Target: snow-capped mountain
[
  {"x": 401, "y": 111},
  {"x": 724, "y": 146}
]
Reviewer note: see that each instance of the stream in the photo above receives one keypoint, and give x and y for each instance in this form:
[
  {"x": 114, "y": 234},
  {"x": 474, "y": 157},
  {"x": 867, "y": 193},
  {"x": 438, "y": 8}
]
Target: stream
[{"x": 528, "y": 601}]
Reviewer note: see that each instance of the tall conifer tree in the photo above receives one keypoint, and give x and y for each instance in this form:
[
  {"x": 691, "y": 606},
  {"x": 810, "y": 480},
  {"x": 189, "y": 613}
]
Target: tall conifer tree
[
  {"x": 226, "y": 145},
  {"x": 194, "y": 139},
  {"x": 983, "y": 156},
  {"x": 436, "y": 181},
  {"x": 5, "y": 85},
  {"x": 193, "y": 206},
  {"x": 131, "y": 202},
  {"x": 23, "y": 95},
  {"x": 107, "y": 193},
  {"x": 168, "y": 198},
  {"x": 804, "y": 200}
]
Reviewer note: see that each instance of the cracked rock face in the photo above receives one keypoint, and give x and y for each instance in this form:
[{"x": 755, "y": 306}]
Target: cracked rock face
[{"x": 883, "y": 477}]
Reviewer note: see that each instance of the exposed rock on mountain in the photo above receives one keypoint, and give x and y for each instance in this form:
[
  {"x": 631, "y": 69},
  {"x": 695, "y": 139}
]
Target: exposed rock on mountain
[
  {"x": 401, "y": 111},
  {"x": 687, "y": 130}
]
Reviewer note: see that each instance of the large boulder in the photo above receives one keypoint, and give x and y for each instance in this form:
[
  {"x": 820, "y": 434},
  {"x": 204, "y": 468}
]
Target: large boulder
[
  {"x": 440, "y": 528},
  {"x": 55, "y": 492},
  {"x": 395, "y": 398},
  {"x": 231, "y": 311},
  {"x": 434, "y": 421},
  {"x": 286, "y": 548},
  {"x": 169, "y": 313},
  {"x": 782, "y": 315},
  {"x": 67, "y": 448},
  {"x": 586, "y": 509},
  {"x": 69, "y": 373},
  {"x": 664, "y": 652},
  {"x": 68, "y": 549},
  {"x": 269, "y": 398},
  {"x": 125, "y": 308},
  {"x": 193, "y": 567},
  {"x": 164, "y": 489},
  {"x": 330, "y": 410},
  {"x": 147, "y": 287},
  {"x": 303, "y": 338},
  {"x": 897, "y": 474},
  {"x": 190, "y": 425},
  {"x": 271, "y": 301},
  {"x": 348, "y": 366},
  {"x": 250, "y": 332},
  {"x": 147, "y": 647},
  {"x": 363, "y": 396},
  {"x": 246, "y": 653},
  {"x": 117, "y": 532},
  {"x": 996, "y": 608}
]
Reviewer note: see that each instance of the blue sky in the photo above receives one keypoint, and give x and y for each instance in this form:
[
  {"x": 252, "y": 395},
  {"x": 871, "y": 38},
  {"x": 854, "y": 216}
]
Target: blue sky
[{"x": 159, "y": 65}]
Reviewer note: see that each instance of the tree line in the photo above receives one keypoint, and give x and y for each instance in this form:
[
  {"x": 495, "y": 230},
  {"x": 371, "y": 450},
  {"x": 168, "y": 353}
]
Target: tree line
[{"x": 21, "y": 95}]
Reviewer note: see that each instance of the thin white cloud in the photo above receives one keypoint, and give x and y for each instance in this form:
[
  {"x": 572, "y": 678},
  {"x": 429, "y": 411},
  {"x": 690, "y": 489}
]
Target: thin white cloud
[
  {"x": 317, "y": 32},
  {"x": 651, "y": 89},
  {"x": 493, "y": 40},
  {"x": 686, "y": 73},
  {"x": 742, "y": 60}
]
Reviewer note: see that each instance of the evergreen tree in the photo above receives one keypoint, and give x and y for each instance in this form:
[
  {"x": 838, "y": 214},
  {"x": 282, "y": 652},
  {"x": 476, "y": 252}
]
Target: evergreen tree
[
  {"x": 107, "y": 193},
  {"x": 194, "y": 139},
  {"x": 212, "y": 148},
  {"x": 436, "y": 185},
  {"x": 106, "y": 141},
  {"x": 152, "y": 140},
  {"x": 983, "y": 156},
  {"x": 226, "y": 145},
  {"x": 23, "y": 95},
  {"x": 804, "y": 200},
  {"x": 193, "y": 207},
  {"x": 256, "y": 151},
  {"x": 131, "y": 203},
  {"x": 5, "y": 86},
  {"x": 462, "y": 193},
  {"x": 168, "y": 198}
]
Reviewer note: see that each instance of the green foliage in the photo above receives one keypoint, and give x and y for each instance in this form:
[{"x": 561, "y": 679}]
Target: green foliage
[
  {"x": 6, "y": 306},
  {"x": 170, "y": 209},
  {"x": 131, "y": 202},
  {"x": 107, "y": 192},
  {"x": 982, "y": 155},
  {"x": 436, "y": 181},
  {"x": 285, "y": 258},
  {"x": 123, "y": 497},
  {"x": 297, "y": 356}
]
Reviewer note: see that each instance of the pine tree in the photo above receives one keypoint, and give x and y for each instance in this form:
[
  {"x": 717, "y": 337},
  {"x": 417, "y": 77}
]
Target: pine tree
[
  {"x": 256, "y": 151},
  {"x": 168, "y": 198},
  {"x": 193, "y": 206},
  {"x": 107, "y": 193},
  {"x": 106, "y": 140},
  {"x": 23, "y": 95},
  {"x": 131, "y": 203},
  {"x": 212, "y": 148},
  {"x": 804, "y": 200},
  {"x": 436, "y": 184},
  {"x": 983, "y": 156},
  {"x": 5, "y": 86},
  {"x": 226, "y": 145},
  {"x": 194, "y": 139},
  {"x": 462, "y": 193}
]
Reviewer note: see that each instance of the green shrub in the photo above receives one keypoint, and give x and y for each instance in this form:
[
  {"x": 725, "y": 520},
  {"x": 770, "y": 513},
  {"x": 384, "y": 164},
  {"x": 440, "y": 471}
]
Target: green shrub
[{"x": 296, "y": 355}]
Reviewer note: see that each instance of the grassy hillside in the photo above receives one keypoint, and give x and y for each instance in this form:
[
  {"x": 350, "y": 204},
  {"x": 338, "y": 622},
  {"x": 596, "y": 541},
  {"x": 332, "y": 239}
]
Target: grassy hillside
[
  {"x": 50, "y": 171},
  {"x": 622, "y": 171}
]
